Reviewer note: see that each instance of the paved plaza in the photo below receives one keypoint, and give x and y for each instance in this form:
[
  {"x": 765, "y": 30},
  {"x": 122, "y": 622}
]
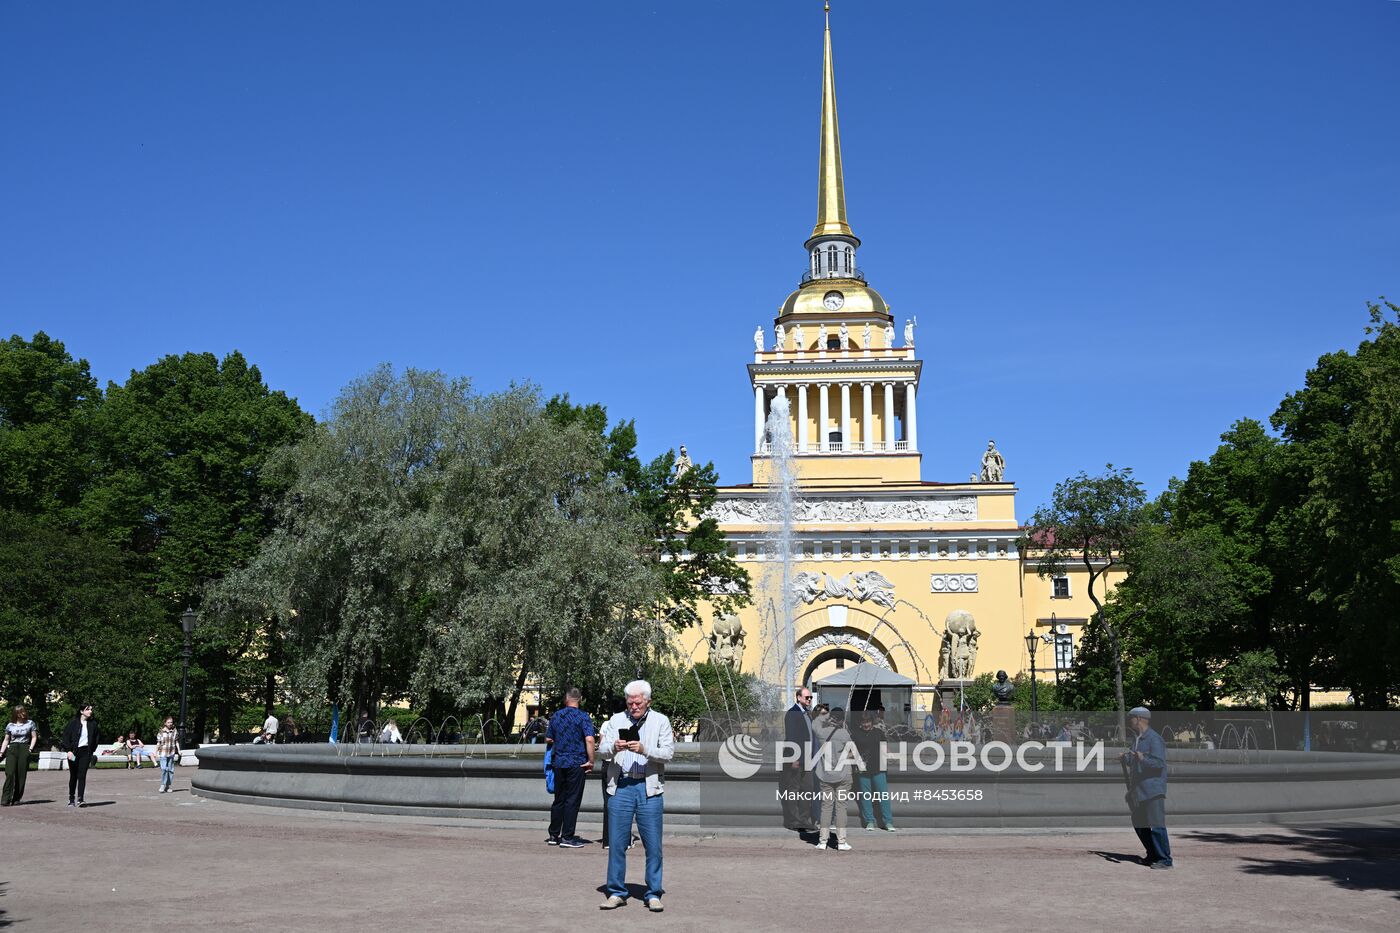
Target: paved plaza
[{"x": 138, "y": 860}]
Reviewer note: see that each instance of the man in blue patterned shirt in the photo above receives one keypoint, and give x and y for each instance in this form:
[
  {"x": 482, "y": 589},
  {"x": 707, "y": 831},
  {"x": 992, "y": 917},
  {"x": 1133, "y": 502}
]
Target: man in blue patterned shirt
[{"x": 572, "y": 736}]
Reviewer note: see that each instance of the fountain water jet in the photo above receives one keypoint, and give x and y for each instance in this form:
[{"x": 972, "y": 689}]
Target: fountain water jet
[{"x": 782, "y": 492}]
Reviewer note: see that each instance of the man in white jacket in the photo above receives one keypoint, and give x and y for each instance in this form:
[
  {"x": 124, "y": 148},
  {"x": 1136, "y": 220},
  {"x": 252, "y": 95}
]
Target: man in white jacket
[{"x": 636, "y": 743}]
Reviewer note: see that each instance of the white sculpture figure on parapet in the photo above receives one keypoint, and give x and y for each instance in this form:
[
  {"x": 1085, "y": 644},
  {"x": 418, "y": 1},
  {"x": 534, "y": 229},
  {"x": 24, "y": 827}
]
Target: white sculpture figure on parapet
[
  {"x": 797, "y": 337},
  {"x": 908, "y": 332},
  {"x": 889, "y": 336},
  {"x": 778, "y": 337},
  {"x": 865, "y": 337},
  {"x": 957, "y": 655},
  {"x": 758, "y": 339},
  {"x": 845, "y": 335},
  {"x": 821, "y": 337},
  {"x": 993, "y": 464},
  {"x": 683, "y": 463}
]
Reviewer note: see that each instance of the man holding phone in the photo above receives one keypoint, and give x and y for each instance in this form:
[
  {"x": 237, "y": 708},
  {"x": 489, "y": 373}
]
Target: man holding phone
[{"x": 636, "y": 743}]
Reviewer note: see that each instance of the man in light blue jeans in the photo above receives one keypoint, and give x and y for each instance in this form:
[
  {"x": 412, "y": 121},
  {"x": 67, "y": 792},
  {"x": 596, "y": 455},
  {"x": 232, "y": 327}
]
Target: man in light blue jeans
[{"x": 637, "y": 743}]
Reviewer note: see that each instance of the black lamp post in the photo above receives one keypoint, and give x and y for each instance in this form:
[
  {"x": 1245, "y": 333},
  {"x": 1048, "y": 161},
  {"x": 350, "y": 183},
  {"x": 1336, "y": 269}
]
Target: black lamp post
[
  {"x": 187, "y": 622},
  {"x": 1032, "y": 639},
  {"x": 1055, "y": 631}
]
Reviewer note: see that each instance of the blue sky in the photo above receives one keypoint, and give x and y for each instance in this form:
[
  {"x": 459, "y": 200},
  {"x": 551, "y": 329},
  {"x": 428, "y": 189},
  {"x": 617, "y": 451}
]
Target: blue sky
[{"x": 1121, "y": 225}]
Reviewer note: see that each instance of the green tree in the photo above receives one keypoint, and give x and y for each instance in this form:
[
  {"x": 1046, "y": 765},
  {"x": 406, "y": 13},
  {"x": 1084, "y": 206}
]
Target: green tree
[
  {"x": 75, "y": 625},
  {"x": 1252, "y": 679},
  {"x": 1090, "y": 521},
  {"x": 451, "y": 547},
  {"x": 1180, "y": 608},
  {"x": 1344, "y": 426},
  {"x": 688, "y": 552},
  {"x": 47, "y": 399},
  {"x": 179, "y": 484},
  {"x": 1247, "y": 498}
]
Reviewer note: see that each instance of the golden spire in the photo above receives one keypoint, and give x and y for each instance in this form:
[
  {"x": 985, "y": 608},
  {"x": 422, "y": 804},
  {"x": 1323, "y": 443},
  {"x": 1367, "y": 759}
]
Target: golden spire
[{"x": 831, "y": 189}]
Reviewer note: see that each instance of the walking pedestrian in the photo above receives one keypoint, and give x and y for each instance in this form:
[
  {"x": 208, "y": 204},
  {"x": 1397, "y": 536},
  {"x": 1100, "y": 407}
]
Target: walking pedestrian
[
  {"x": 571, "y": 735},
  {"x": 21, "y": 738},
  {"x": 167, "y": 751},
  {"x": 637, "y": 744},
  {"x": 835, "y": 752},
  {"x": 1145, "y": 767},
  {"x": 80, "y": 739}
]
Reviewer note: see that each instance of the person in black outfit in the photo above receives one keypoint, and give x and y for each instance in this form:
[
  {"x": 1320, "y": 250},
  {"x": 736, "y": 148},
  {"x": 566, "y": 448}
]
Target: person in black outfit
[{"x": 80, "y": 740}]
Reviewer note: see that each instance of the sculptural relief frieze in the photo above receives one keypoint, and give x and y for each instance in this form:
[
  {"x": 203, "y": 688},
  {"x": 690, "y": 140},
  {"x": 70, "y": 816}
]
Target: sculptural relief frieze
[
  {"x": 745, "y": 511},
  {"x": 871, "y": 586}
]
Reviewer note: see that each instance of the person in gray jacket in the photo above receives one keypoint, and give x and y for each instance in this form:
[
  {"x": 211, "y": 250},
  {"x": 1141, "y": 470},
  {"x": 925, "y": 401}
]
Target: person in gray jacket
[
  {"x": 1145, "y": 768},
  {"x": 835, "y": 753}
]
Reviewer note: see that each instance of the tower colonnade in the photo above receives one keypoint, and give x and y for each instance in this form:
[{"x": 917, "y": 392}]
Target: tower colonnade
[{"x": 886, "y": 422}]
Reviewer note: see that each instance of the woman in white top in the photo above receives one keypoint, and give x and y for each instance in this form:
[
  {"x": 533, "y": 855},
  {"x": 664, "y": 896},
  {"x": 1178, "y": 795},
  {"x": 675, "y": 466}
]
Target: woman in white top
[{"x": 21, "y": 738}]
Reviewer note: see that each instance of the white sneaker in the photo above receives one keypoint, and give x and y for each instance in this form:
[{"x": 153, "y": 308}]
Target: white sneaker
[
  {"x": 821, "y": 846},
  {"x": 891, "y": 829},
  {"x": 613, "y": 903},
  {"x": 870, "y": 829},
  {"x": 654, "y": 905},
  {"x": 843, "y": 846}
]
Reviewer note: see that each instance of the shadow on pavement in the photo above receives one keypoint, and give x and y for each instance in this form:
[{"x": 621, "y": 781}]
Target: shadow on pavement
[
  {"x": 4, "y": 914},
  {"x": 1359, "y": 858},
  {"x": 1118, "y": 857}
]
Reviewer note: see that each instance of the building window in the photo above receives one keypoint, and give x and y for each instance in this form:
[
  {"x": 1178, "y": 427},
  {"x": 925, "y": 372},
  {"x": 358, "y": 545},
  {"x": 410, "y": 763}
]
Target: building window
[
  {"x": 833, "y": 343},
  {"x": 848, "y": 259},
  {"x": 1061, "y": 585},
  {"x": 831, "y": 259}
]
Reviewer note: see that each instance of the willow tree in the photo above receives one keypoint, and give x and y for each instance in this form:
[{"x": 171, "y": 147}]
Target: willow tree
[{"x": 438, "y": 542}]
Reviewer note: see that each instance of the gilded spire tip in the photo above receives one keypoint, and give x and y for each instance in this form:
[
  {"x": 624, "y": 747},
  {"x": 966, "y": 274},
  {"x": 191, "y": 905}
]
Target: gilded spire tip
[{"x": 831, "y": 193}]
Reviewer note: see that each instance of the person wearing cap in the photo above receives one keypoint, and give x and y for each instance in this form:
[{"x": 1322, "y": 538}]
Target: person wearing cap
[{"x": 1145, "y": 768}]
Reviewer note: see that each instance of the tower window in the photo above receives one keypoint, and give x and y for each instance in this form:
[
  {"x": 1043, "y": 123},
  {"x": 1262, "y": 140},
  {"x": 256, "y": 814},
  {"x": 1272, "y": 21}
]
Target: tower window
[
  {"x": 831, "y": 259},
  {"x": 848, "y": 259}
]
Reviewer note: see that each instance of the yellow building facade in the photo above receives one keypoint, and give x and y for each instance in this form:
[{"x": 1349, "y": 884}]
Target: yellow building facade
[{"x": 880, "y": 556}]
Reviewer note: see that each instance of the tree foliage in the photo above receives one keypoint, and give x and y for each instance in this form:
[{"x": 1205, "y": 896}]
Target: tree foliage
[
  {"x": 1090, "y": 521},
  {"x": 437, "y": 542}
]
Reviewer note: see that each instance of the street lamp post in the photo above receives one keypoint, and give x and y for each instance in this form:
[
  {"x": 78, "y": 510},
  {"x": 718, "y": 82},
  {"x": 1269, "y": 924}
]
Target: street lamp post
[
  {"x": 1055, "y": 632},
  {"x": 1032, "y": 639},
  {"x": 187, "y": 622}
]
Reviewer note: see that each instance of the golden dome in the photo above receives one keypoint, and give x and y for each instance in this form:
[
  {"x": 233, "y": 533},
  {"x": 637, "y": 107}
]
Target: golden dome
[{"x": 857, "y": 300}]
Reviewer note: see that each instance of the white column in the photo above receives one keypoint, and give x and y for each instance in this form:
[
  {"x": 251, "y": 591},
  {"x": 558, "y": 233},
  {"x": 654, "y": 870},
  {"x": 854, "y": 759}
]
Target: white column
[
  {"x": 824, "y": 413},
  {"x": 911, "y": 417},
  {"x": 758, "y": 419},
  {"x": 889, "y": 416},
  {"x": 846, "y": 417},
  {"x": 868, "y": 420},
  {"x": 802, "y": 418}
]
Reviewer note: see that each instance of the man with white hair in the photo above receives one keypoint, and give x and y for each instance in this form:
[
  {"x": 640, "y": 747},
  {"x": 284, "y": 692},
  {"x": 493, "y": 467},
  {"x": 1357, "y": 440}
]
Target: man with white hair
[{"x": 636, "y": 743}]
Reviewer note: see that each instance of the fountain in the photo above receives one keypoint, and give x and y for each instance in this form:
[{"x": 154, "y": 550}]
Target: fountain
[{"x": 777, "y": 577}]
